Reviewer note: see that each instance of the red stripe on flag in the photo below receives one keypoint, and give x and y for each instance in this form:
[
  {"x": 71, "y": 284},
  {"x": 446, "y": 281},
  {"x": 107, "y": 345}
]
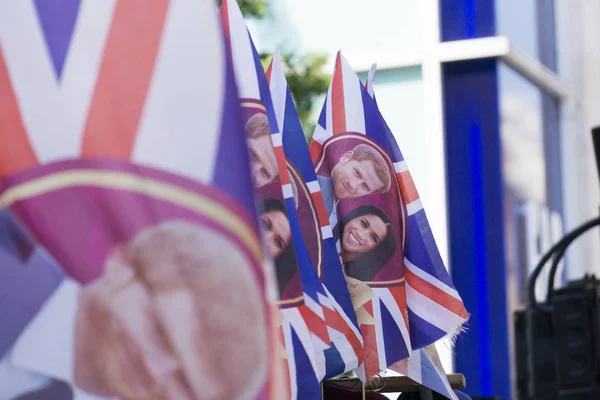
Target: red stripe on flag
[
  {"x": 124, "y": 78},
  {"x": 399, "y": 294},
  {"x": 335, "y": 320},
  {"x": 338, "y": 107},
  {"x": 407, "y": 186},
  {"x": 371, "y": 351},
  {"x": 315, "y": 324},
  {"x": 436, "y": 294},
  {"x": 315, "y": 148},
  {"x": 224, "y": 13},
  {"x": 284, "y": 177},
  {"x": 270, "y": 71},
  {"x": 16, "y": 153},
  {"x": 369, "y": 307},
  {"x": 321, "y": 211}
]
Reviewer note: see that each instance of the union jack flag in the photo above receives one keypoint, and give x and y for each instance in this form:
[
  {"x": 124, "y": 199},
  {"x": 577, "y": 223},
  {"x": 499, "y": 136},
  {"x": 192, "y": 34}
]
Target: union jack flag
[
  {"x": 304, "y": 329},
  {"x": 346, "y": 353},
  {"x": 409, "y": 301},
  {"x": 423, "y": 365},
  {"x": 108, "y": 125}
]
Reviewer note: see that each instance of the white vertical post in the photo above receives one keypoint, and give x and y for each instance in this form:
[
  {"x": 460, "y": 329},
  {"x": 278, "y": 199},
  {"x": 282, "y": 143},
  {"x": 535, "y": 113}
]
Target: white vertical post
[{"x": 435, "y": 196}]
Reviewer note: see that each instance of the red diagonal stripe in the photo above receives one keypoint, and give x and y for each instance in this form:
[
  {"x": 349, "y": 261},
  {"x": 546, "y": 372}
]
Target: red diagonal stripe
[
  {"x": 338, "y": 106},
  {"x": 315, "y": 324},
  {"x": 399, "y": 294},
  {"x": 315, "y": 149},
  {"x": 284, "y": 176},
  {"x": 320, "y": 206},
  {"x": 335, "y": 320},
  {"x": 16, "y": 153},
  {"x": 407, "y": 186},
  {"x": 224, "y": 13},
  {"x": 124, "y": 77},
  {"x": 436, "y": 294},
  {"x": 371, "y": 351},
  {"x": 270, "y": 71}
]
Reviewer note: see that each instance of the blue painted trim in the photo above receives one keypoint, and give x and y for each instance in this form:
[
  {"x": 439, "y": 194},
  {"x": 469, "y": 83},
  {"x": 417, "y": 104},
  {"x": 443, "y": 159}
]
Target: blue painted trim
[
  {"x": 472, "y": 126},
  {"x": 467, "y": 19}
]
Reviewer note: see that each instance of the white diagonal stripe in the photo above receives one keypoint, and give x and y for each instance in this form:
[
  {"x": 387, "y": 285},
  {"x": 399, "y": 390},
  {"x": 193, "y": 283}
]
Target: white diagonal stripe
[
  {"x": 414, "y": 207},
  {"x": 400, "y": 166},
  {"x": 313, "y": 186},
  {"x": 326, "y": 232},
  {"x": 435, "y": 314},
  {"x": 431, "y": 279}
]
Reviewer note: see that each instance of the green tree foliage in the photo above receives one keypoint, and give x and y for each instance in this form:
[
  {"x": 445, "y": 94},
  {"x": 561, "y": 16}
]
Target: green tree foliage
[{"x": 304, "y": 73}]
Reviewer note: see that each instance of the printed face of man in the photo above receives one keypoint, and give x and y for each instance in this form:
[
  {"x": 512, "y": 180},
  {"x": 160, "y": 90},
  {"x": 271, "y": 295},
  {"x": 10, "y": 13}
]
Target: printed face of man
[
  {"x": 363, "y": 233},
  {"x": 352, "y": 178},
  {"x": 263, "y": 162},
  {"x": 166, "y": 315},
  {"x": 278, "y": 232}
]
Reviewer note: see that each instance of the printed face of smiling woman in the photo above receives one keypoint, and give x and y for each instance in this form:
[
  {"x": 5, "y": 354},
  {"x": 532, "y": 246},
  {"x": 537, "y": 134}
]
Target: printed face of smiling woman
[
  {"x": 362, "y": 234},
  {"x": 277, "y": 231}
]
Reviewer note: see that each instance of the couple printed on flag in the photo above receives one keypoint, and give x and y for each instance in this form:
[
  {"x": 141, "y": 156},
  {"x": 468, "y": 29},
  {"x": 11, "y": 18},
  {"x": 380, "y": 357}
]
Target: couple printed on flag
[{"x": 165, "y": 233}]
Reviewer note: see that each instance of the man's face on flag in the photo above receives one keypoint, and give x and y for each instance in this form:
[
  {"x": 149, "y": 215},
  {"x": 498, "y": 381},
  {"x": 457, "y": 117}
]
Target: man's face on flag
[
  {"x": 172, "y": 311},
  {"x": 360, "y": 172},
  {"x": 263, "y": 163}
]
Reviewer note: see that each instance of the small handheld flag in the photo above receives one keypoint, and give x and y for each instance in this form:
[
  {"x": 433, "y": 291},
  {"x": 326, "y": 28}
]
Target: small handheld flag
[
  {"x": 346, "y": 353},
  {"x": 423, "y": 365},
  {"x": 304, "y": 328},
  {"x": 404, "y": 297}
]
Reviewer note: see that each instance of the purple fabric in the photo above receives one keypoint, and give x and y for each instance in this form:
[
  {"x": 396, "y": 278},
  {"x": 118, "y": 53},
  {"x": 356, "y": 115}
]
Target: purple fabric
[{"x": 24, "y": 287}]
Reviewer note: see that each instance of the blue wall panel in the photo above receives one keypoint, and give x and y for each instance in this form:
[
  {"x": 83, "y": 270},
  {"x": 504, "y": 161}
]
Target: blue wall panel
[{"x": 475, "y": 222}]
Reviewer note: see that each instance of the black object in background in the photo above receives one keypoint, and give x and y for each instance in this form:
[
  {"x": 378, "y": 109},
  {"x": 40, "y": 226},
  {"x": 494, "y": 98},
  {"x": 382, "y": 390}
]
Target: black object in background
[{"x": 558, "y": 342}]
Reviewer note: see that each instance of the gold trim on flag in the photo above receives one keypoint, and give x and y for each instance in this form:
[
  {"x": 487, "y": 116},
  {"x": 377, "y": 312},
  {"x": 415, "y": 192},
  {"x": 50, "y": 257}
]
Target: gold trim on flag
[
  {"x": 247, "y": 104},
  {"x": 314, "y": 213},
  {"x": 143, "y": 185}
]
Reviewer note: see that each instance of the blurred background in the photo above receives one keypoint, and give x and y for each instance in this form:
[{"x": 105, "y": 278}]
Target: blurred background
[{"x": 491, "y": 102}]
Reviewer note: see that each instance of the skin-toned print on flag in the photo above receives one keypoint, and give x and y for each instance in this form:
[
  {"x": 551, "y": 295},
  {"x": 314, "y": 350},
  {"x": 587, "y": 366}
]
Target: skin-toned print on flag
[
  {"x": 134, "y": 265},
  {"x": 356, "y": 177},
  {"x": 264, "y": 169},
  {"x": 267, "y": 161}
]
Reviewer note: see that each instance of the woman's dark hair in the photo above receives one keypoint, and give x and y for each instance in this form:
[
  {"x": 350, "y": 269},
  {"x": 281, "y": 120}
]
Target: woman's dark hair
[
  {"x": 367, "y": 265},
  {"x": 285, "y": 264}
]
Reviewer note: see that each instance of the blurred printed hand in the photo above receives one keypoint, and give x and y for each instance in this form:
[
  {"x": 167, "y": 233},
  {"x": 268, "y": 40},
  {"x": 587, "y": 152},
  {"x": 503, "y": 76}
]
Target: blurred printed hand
[{"x": 177, "y": 314}]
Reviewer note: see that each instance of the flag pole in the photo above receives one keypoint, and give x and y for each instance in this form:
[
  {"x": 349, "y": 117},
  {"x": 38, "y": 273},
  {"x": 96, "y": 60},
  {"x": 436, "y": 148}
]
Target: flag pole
[
  {"x": 322, "y": 392},
  {"x": 364, "y": 393}
]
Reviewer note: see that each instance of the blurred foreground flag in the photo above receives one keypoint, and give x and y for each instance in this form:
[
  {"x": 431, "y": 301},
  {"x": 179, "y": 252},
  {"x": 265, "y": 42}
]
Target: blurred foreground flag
[
  {"x": 346, "y": 353},
  {"x": 304, "y": 329},
  {"x": 130, "y": 168},
  {"x": 423, "y": 365},
  {"x": 400, "y": 288}
]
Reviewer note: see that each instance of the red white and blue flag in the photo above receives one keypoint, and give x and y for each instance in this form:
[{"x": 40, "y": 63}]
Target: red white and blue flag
[
  {"x": 346, "y": 353},
  {"x": 123, "y": 153},
  {"x": 423, "y": 365},
  {"x": 304, "y": 329},
  {"x": 404, "y": 297}
]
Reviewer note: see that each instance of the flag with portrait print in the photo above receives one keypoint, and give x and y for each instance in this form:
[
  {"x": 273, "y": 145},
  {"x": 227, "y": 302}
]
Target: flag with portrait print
[
  {"x": 346, "y": 351},
  {"x": 304, "y": 330},
  {"x": 403, "y": 295},
  {"x": 423, "y": 365},
  {"x": 139, "y": 269}
]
